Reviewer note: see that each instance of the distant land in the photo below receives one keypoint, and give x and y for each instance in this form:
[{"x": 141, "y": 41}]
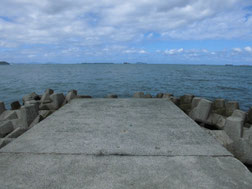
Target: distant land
[
  {"x": 4, "y": 63},
  {"x": 97, "y": 63},
  {"x": 122, "y": 63},
  {"x": 112, "y": 63},
  {"x": 134, "y": 63}
]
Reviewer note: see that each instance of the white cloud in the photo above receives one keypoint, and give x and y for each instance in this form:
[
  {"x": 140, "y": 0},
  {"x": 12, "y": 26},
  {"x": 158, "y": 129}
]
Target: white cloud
[
  {"x": 150, "y": 35},
  {"x": 93, "y": 28},
  {"x": 52, "y": 22},
  {"x": 142, "y": 52},
  {"x": 133, "y": 50},
  {"x": 248, "y": 49},
  {"x": 173, "y": 51},
  {"x": 205, "y": 51},
  {"x": 129, "y": 51},
  {"x": 237, "y": 50}
]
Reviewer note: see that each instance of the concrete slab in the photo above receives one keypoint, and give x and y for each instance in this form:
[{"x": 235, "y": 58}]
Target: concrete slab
[
  {"x": 119, "y": 143},
  {"x": 31, "y": 171},
  {"x": 122, "y": 126}
]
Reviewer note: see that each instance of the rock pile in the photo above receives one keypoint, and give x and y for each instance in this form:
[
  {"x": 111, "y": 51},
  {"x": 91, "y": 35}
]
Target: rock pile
[
  {"x": 141, "y": 95},
  {"x": 35, "y": 108},
  {"x": 224, "y": 120}
]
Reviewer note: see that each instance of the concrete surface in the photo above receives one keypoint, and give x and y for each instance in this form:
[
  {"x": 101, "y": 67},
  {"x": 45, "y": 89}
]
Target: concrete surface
[{"x": 119, "y": 143}]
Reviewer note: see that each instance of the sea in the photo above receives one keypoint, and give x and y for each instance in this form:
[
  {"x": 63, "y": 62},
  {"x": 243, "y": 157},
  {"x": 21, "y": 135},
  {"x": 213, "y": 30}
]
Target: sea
[{"x": 98, "y": 80}]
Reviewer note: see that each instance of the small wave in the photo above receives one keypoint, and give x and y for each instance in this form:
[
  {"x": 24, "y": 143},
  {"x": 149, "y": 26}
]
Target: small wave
[
  {"x": 230, "y": 88},
  {"x": 199, "y": 80}
]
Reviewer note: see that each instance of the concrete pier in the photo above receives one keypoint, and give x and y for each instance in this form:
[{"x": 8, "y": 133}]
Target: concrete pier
[{"x": 119, "y": 143}]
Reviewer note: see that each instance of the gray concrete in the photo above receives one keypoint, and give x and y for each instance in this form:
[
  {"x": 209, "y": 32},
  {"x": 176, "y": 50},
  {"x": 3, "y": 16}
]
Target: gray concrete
[{"x": 119, "y": 143}]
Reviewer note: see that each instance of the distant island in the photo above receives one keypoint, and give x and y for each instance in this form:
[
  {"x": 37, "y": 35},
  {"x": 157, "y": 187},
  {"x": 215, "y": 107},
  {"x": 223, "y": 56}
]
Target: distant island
[
  {"x": 134, "y": 63},
  {"x": 4, "y": 63},
  {"x": 97, "y": 63}
]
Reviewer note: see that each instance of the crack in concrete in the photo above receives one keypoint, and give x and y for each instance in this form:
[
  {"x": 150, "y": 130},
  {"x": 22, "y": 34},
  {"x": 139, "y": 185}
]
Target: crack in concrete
[{"x": 102, "y": 154}]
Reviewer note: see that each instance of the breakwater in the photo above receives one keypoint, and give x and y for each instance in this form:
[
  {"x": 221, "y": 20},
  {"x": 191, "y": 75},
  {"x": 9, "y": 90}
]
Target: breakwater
[
  {"x": 222, "y": 119},
  {"x": 119, "y": 143}
]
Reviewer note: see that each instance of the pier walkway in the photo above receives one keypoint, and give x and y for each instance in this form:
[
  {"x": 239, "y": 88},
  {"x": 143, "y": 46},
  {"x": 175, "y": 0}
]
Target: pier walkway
[{"x": 119, "y": 144}]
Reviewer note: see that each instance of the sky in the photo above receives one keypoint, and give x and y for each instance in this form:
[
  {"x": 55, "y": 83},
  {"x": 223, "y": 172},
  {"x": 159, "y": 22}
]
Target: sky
[{"x": 151, "y": 31}]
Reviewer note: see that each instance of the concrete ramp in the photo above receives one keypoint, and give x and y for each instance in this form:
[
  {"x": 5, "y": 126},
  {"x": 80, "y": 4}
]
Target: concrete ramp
[{"x": 119, "y": 143}]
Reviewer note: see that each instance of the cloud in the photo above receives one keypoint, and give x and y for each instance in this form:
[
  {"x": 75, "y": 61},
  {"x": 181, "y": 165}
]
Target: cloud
[
  {"x": 84, "y": 27},
  {"x": 237, "y": 50},
  {"x": 248, "y": 49},
  {"x": 133, "y": 51},
  {"x": 92, "y": 22},
  {"x": 142, "y": 52},
  {"x": 173, "y": 51}
]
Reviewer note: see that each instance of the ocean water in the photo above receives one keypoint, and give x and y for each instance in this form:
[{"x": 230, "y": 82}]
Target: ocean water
[{"x": 98, "y": 80}]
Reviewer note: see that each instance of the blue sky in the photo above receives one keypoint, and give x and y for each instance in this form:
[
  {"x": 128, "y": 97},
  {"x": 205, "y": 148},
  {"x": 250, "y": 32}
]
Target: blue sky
[{"x": 152, "y": 31}]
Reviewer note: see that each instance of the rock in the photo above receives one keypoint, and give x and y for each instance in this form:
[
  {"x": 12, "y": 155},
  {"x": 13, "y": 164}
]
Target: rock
[
  {"x": 216, "y": 120},
  {"x": 147, "y": 96},
  {"x": 5, "y": 128},
  {"x": 234, "y": 128},
  {"x": 44, "y": 106},
  {"x": 186, "y": 99},
  {"x": 45, "y": 98},
  {"x": 159, "y": 95},
  {"x": 15, "y": 105},
  {"x": 17, "y": 123},
  {"x": 222, "y": 138},
  {"x": 167, "y": 95},
  {"x": 220, "y": 111},
  {"x": 112, "y": 96},
  {"x": 185, "y": 107},
  {"x": 36, "y": 121},
  {"x": 236, "y": 120},
  {"x": 33, "y": 102},
  {"x": 248, "y": 125},
  {"x": 219, "y": 107},
  {"x": 45, "y": 113},
  {"x": 84, "y": 96},
  {"x": 8, "y": 115},
  {"x": 28, "y": 114},
  {"x": 16, "y": 133},
  {"x": 202, "y": 111},
  {"x": 240, "y": 114},
  {"x": 175, "y": 100},
  {"x": 249, "y": 115},
  {"x": 218, "y": 104},
  {"x": 32, "y": 96},
  {"x": 74, "y": 91},
  {"x": 70, "y": 95},
  {"x": 138, "y": 95},
  {"x": 57, "y": 101},
  {"x": 242, "y": 150},
  {"x": 5, "y": 141},
  {"x": 195, "y": 102},
  {"x": 2, "y": 107},
  {"x": 230, "y": 107},
  {"x": 49, "y": 91},
  {"x": 247, "y": 132}
]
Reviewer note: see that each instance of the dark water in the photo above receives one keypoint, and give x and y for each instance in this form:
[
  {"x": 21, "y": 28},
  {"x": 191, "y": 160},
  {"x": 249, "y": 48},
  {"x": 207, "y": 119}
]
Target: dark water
[{"x": 229, "y": 82}]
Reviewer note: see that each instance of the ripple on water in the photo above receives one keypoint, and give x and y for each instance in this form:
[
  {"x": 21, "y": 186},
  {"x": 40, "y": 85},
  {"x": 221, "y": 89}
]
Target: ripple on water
[{"x": 98, "y": 80}]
